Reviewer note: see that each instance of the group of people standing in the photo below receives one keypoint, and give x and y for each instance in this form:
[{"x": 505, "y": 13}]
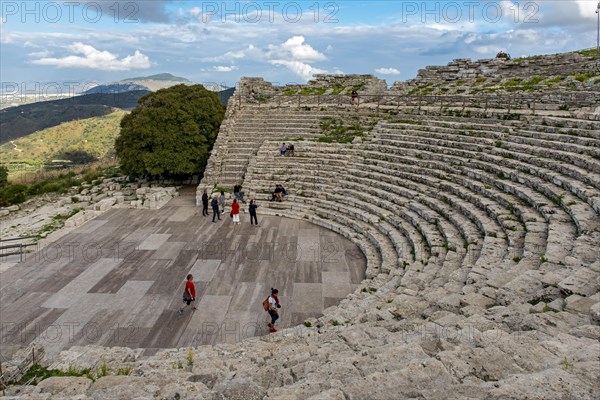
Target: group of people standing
[{"x": 217, "y": 204}]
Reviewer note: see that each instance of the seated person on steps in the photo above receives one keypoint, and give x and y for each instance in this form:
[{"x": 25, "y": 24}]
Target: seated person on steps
[
  {"x": 279, "y": 193},
  {"x": 238, "y": 194}
]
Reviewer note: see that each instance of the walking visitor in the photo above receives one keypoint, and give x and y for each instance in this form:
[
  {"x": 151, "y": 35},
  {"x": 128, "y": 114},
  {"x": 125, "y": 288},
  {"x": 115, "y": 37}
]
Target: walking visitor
[
  {"x": 189, "y": 294},
  {"x": 274, "y": 305}
]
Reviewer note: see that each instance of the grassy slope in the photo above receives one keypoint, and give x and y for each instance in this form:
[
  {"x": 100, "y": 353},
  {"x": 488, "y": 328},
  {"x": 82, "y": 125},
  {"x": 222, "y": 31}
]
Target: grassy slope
[
  {"x": 17, "y": 122},
  {"x": 94, "y": 135}
]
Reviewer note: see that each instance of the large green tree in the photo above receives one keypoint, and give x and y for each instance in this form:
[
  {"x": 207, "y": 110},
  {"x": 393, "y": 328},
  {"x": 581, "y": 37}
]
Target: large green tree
[{"x": 171, "y": 132}]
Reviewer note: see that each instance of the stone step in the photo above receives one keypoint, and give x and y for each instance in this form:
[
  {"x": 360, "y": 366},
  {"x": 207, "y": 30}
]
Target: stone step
[
  {"x": 363, "y": 188},
  {"x": 504, "y": 221},
  {"x": 328, "y": 209},
  {"x": 298, "y": 211},
  {"x": 337, "y": 203},
  {"x": 526, "y": 127},
  {"x": 381, "y": 178},
  {"x": 525, "y": 192},
  {"x": 433, "y": 145},
  {"x": 590, "y": 146},
  {"x": 383, "y": 211}
]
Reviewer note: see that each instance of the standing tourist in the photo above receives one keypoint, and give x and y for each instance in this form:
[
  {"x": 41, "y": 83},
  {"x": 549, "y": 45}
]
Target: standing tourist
[
  {"x": 235, "y": 211},
  {"x": 222, "y": 202},
  {"x": 204, "y": 204},
  {"x": 252, "y": 209},
  {"x": 215, "y": 207}
]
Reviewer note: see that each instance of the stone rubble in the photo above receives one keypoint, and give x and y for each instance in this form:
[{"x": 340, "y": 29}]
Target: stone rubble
[{"x": 87, "y": 202}]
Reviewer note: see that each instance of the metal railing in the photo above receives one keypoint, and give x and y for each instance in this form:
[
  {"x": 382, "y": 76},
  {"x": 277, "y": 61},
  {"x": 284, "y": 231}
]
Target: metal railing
[
  {"x": 18, "y": 248},
  {"x": 25, "y": 365}
]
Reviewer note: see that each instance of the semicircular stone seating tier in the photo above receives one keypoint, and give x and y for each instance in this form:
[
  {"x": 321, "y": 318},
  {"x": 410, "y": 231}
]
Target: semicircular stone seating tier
[
  {"x": 449, "y": 206},
  {"x": 243, "y": 131}
]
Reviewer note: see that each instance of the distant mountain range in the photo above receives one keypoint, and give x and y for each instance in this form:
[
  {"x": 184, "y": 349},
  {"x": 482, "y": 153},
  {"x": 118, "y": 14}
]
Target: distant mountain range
[
  {"x": 158, "y": 77},
  {"x": 22, "y": 120},
  {"x": 151, "y": 83},
  {"x": 115, "y": 88}
]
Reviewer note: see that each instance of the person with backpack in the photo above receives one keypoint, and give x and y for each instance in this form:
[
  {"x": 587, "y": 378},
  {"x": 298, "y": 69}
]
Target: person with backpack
[
  {"x": 189, "y": 294},
  {"x": 271, "y": 305}
]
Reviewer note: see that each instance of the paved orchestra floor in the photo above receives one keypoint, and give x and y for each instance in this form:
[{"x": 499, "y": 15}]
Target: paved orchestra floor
[{"x": 118, "y": 280}]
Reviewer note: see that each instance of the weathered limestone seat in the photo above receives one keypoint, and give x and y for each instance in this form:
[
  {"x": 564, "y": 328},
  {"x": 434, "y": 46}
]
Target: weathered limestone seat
[{"x": 509, "y": 222}]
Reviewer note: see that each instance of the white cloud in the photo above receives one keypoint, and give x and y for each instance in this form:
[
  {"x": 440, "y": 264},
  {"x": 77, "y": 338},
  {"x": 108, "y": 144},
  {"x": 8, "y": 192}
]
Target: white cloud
[
  {"x": 234, "y": 55},
  {"x": 587, "y": 8},
  {"x": 296, "y": 55},
  {"x": 303, "y": 70},
  {"x": 489, "y": 49},
  {"x": 39, "y": 54},
  {"x": 195, "y": 11},
  {"x": 91, "y": 58},
  {"x": 387, "y": 71},
  {"x": 224, "y": 68},
  {"x": 296, "y": 50}
]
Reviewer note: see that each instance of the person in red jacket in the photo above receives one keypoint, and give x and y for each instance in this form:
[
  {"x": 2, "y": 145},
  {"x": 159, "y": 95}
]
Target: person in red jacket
[
  {"x": 189, "y": 294},
  {"x": 235, "y": 211}
]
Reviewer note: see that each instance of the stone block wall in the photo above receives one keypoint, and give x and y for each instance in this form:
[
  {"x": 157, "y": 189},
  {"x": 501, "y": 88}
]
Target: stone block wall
[
  {"x": 260, "y": 87},
  {"x": 465, "y": 69},
  {"x": 370, "y": 83}
]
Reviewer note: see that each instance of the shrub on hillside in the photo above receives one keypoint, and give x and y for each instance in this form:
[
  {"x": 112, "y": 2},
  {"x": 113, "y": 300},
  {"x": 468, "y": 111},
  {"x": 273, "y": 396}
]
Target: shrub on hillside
[
  {"x": 171, "y": 132},
  {"x": 503, "y": 55},
  {"x": 76, "y": 156},
  {"x": 3, "y": 176},
  {"x": 12, "y": 194}
]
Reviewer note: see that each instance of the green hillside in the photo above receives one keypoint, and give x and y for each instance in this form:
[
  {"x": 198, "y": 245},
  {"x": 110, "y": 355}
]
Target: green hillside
[
  {"x": 95, "y": 136},
  {"x": 20, "y": 121}
]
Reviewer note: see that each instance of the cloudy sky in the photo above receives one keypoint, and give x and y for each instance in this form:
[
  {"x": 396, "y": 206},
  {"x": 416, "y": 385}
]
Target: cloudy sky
[{"x": 283, "y": 41}]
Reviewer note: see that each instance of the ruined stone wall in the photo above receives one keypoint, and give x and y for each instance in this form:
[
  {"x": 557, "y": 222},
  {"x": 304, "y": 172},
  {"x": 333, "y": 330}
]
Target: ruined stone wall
[
  {"x": 556, "y": 65},
  {"x": 260, "y": 87},
  {"x": 369, "y": 84},
  {"x": 465, "y": 69},
  {"x": 334, "y": 84}
]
